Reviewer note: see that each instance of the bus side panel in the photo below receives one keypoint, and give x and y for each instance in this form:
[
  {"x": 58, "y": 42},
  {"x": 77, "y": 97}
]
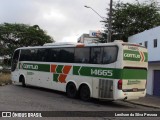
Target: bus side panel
[
  {"x": 95, "y": 88},
  {"x": 41, "y": 79}
]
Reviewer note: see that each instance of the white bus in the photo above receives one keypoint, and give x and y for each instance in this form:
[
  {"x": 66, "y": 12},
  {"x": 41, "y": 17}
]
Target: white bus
[{"x": 108, "y": 71}]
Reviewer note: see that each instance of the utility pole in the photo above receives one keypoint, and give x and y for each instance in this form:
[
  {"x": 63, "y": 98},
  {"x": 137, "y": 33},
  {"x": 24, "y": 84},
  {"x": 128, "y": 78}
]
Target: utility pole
[{"x": 110, "y": 23}]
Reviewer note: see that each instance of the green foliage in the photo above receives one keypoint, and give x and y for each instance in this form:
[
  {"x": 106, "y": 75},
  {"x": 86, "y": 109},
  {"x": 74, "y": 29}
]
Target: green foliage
[
  {"x": 103, "y": 38},
  {"x": 13, "y": 36},
  {"x": 132, "y": 18}
]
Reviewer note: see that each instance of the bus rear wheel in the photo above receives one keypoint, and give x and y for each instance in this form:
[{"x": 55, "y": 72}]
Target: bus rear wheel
[
  {"x": 71, "y": 90},
  {"x": 84, "y": 93}
]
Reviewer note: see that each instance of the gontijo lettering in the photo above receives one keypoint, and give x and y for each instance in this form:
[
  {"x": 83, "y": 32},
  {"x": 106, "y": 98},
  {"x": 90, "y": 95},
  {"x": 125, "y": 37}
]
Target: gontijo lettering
[
  {"x": 131, "y": 55},
  {"x": 33, "y": 67}
]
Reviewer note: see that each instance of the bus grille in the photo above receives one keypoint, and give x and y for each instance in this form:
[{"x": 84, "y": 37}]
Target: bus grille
[{"x": 105, "y": 88}]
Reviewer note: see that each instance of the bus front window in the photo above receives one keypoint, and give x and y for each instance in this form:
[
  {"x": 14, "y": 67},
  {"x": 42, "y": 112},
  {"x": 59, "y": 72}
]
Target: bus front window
[{"x": 15, "y": 60}]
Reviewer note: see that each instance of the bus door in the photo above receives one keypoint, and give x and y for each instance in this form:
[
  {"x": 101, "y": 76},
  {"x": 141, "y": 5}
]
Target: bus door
[{"x": 14, "y": 67}]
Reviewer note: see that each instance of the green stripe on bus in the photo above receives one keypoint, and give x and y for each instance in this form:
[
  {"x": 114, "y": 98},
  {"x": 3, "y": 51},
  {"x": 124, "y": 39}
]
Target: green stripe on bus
[
  {"x": 75, "y": 70},
  {"x": 55, "y": 77},
  {"x": 110, "y": 73},
  {"x": 43, "y": 67},
  {"x": 59, "y": 68},
  {"x": 146, "y": 57},
  {"x": 131, "y": 55},
  {"x": 134, "y": 56},
  {"x": 134, "y": 74},
  {"x": 36, "y": 67},
  {"x": 97, "y": 72}
]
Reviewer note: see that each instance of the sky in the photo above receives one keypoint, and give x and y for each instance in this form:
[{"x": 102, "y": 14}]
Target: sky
[{"x": 64, "y": 20}]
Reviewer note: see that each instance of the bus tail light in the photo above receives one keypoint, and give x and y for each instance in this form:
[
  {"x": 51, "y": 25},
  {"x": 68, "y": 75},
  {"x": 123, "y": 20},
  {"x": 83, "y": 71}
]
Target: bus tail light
[
  {"x": 119, "y": 85},
  {"x": 80, "y": 46}
]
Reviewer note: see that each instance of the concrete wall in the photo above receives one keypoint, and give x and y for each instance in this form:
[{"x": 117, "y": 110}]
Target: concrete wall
[{"x": 149, "y": 36}]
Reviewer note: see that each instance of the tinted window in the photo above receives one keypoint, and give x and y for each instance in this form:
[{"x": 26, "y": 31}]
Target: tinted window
[
  {"x": 109, "y": 54},
  {"x": 41, "y": 55},
  {"x": 33, "y": 55},
  {"x": 25, "y": 55},
  {"x": 29, "y": 55},
  {"x": 15, "y": 60},
  {"x": 66, "y": 55},
  {"x": 96, "y": 55},
  {"x": 82, "y": 55},
  {"x": 53, "y": 55}
]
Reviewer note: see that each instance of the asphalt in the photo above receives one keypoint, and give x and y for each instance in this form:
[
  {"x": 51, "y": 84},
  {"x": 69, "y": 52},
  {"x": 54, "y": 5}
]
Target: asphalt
[{"x": 148, "y": 101}]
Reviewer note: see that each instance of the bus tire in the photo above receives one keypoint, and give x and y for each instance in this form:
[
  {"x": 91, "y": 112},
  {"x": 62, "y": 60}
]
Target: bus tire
[
  {"x": 22, "y": 79},
  {"x": 71, "y": 90},
  {"x": 84, "y": 93}
]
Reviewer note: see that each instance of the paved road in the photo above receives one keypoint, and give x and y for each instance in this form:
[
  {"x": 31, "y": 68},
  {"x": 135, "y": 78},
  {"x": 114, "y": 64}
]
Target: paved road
[{"x": 17, "y": 98}]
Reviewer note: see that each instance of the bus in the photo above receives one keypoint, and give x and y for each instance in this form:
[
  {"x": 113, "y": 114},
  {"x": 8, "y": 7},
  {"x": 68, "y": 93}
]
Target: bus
[{"x": 105, "y": 71}]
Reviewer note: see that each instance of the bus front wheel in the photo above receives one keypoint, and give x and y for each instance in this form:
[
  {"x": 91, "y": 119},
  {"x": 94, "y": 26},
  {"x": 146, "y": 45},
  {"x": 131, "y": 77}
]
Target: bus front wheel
[
  {"x": 23, "y": 81},
  {"x": 84, "y": 93},
  {"x": 71, "y": 90}
]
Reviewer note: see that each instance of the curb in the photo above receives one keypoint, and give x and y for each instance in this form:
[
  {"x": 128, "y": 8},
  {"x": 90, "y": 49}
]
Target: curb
[{"x": 143, "y": 104}]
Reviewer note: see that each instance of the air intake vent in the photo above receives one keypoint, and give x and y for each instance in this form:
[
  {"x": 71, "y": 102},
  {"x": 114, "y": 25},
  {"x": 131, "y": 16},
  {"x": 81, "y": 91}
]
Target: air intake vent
[{"x": 105, "y": 88}]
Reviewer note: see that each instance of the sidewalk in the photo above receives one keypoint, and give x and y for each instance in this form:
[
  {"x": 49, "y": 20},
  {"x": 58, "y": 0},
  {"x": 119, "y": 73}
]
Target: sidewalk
[{"x": 149, "y": 101}]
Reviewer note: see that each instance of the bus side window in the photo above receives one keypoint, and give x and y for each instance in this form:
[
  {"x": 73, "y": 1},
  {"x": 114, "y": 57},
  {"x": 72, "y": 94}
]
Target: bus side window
[
  {"x": 66, "y": 55},
  {"x": 33, "y": 55},
  {"x": 82, "y": 55},
  {"x": 96, "y": 55},
  {"x": 41, "y": 55},
  {"x": 110, "y": 54},
  {"x": 53, "y": 55}
]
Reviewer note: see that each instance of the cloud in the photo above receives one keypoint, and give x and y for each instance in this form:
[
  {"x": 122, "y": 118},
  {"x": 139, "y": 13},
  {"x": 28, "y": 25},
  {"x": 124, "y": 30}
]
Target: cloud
[{"x": 64, "y": 20}]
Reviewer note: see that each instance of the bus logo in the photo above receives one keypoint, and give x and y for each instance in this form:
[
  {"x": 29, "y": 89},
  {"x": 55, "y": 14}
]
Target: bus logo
[
  {"x": 132, "y": 55},
  {"x": 31, "y": 67}
]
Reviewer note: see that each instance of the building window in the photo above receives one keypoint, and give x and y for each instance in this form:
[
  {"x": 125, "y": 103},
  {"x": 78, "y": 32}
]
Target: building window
[
  {"x": 146, "y": 44},
  {"x": 155, "y": 43},
  {"x": 140, "y": 43}
]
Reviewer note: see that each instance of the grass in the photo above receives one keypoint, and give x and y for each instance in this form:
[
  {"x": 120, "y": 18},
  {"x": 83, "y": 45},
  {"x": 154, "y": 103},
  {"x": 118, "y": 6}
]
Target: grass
[{"x": 5, "y": 78}]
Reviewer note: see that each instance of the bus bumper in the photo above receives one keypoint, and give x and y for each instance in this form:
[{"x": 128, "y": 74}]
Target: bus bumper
[{"x": 130, "y": 95}]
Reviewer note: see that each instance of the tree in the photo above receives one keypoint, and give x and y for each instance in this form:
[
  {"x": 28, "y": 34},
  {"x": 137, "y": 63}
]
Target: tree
[
  {"x": 131, "y": 18},
  {"x": 15, "y": 35}
]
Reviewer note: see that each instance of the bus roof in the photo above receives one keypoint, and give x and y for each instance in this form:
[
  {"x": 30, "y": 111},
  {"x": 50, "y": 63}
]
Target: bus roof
[{"x": 71, "y": 44}]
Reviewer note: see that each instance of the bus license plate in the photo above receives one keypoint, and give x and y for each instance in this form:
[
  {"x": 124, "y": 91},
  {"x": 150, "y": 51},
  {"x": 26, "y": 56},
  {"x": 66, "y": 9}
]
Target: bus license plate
[{"x": 135, "y": 89}]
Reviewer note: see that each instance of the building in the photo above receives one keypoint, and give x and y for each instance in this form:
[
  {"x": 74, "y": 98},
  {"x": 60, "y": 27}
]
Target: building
[
  {"x": 92, "y": 37},
  {"x": 151, "y": 40}
]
